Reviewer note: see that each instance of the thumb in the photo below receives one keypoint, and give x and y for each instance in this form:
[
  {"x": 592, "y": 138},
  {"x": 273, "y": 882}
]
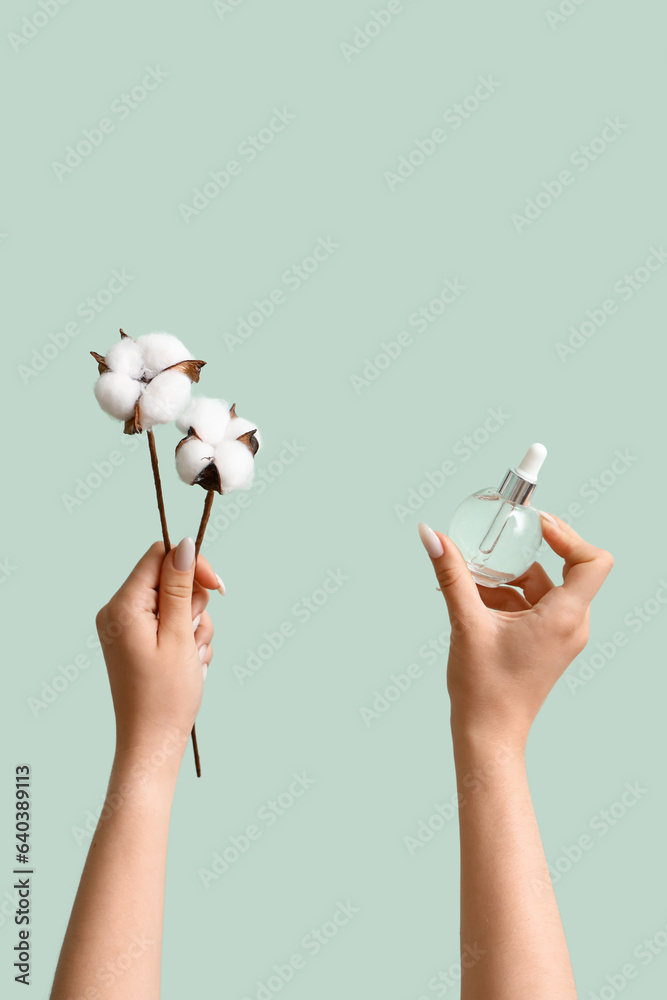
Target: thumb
[
  {"x": 455, "y": 579},
  {"x": 175, "y": 590}
]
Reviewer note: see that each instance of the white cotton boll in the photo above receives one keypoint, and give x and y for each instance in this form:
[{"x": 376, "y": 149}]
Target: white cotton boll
[
  {"x": 235, "y": 465},
  {"x": 160, "y": 351},
  {"x": 164, "y": 398},
  {"x": 192, "y": 457},
  {"x": 209, "y": 417},
  {"x": 238, "y": 426},
  {"x": 125, "y": 357},
  {"x": 117, "y": 394}
]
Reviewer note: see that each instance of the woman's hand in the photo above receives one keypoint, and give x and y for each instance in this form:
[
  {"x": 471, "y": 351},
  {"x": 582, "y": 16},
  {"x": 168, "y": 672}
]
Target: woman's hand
[
  {"x": 508, "y": 647},
  {"x": 156, "y": 639}
]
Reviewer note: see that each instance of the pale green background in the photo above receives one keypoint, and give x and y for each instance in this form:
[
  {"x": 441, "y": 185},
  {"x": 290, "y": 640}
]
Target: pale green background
[{"x": 334, "y": 507}]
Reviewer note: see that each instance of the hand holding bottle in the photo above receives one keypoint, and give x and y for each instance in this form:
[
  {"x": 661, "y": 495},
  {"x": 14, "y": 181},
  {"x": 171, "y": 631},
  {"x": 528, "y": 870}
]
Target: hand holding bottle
[{"x": 508, "y": 647}]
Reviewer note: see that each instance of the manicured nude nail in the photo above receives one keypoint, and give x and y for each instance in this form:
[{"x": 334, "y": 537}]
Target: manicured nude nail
[
  {"x": 221, "y": 588},
  {"x": 184, "y": 556},
  {"x": 202, "y": 652},
  {"x": 195, "y": 623},
  {"x": 548, "y": 517},
  {"x": 431, "y": 542}
]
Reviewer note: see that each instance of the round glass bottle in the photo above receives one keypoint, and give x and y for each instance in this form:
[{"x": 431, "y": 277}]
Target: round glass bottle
[{"x": 497, "y": 530}]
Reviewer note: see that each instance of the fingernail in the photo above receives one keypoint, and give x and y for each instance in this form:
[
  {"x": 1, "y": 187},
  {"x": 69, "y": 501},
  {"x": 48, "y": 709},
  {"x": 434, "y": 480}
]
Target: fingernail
[
  {"x": 221, "y": 588},
  {"x": 205, "y": 669},
  {"x": 548, "y": 517},
  {"x": 195, "y": 623},
  {"x": 202, "y": 652},
  {"x": 431, "y": 542},
  {"x": 184, "y": 556}
]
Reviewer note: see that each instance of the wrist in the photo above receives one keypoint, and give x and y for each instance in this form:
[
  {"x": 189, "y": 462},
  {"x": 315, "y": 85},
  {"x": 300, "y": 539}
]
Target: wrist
[
  {"x": 139, "y": 786},
  {"x": 479, "y": 737},
  {"x": 486, "y": 761},
  {"x": 147, "y": 762}
]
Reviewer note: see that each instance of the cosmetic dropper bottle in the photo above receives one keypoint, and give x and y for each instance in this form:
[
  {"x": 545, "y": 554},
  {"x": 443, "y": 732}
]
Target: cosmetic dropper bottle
[{"x": 497, "y": 531}]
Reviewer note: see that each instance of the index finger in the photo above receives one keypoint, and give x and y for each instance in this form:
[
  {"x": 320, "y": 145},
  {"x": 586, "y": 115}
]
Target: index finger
[
  {"x": 586, "y": 567},
  {"x": 206, "y": 575},
  {"x": 146, "y": 574}
]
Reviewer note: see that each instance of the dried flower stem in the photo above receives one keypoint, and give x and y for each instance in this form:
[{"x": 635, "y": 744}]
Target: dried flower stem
[
  {"x": 195, "y": 750},
  {"x": 167, "y": 547},
  {"x": 208, "y": 503},
  {"x": 158, "y": 489}
]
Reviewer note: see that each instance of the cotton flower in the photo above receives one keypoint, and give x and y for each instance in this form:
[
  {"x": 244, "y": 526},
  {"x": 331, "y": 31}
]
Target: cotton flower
[
  {"x": 146, "y": 381},
  {"x": 219, "y": 450}
]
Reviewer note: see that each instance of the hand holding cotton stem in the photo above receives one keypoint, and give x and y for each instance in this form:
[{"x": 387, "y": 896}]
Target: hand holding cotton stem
[
  {"x": 218, "y": 451},
  {"x": 145, "y": 382}
]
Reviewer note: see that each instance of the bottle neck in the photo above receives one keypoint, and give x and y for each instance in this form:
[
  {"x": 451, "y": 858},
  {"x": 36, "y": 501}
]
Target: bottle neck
[{"x": 515, "y": 489}]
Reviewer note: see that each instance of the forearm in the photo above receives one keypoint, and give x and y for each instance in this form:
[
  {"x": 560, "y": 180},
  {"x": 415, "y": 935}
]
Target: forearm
[
  {"x": 112, "y": 947},
  {"x": 512, "y": 939}
]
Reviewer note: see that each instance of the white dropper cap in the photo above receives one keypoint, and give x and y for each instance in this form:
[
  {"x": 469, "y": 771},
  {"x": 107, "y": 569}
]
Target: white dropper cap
[{"x": 531, "y": 463}]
